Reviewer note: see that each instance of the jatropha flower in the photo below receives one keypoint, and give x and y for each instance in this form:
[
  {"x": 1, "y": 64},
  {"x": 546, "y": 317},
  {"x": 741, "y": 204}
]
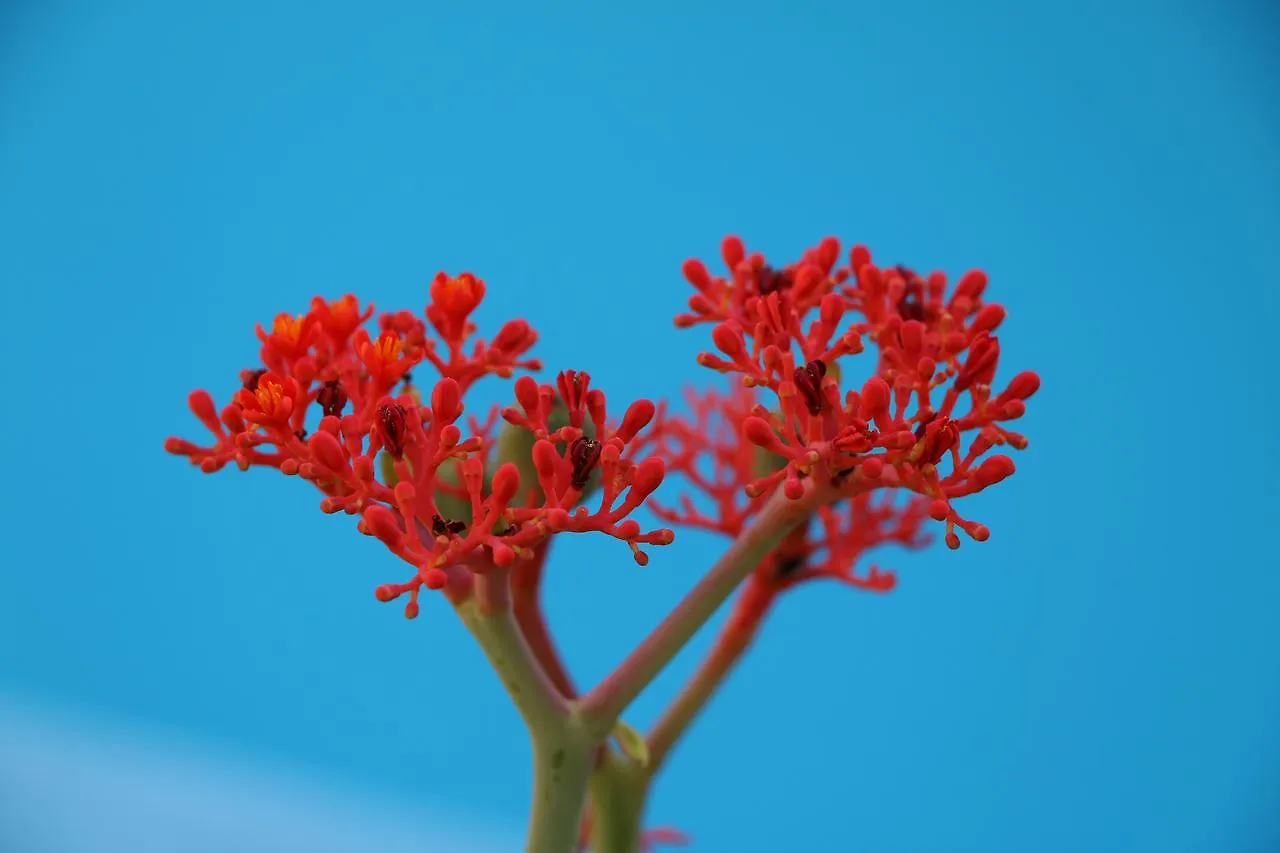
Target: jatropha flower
[
  {"x": 802, "y": 471},
  {"x": 441, "y": 500},
  {"x": 925, "y": 419}
]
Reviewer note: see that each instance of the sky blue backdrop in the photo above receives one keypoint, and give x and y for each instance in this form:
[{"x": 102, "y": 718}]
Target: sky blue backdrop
[{"x": 1103, "y": 674}]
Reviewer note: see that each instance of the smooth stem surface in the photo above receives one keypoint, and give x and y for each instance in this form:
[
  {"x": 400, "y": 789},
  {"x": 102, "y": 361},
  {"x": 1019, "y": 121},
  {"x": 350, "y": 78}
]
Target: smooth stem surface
[
  {"x": 607, "y": 700},
  {"x": 693, "y": 697},
  {"x": 488, "y": 615},
  {"x": 619, "y": 787},
  {"x": 562, "y": 763},
  {"x": 563, "y": 749}
]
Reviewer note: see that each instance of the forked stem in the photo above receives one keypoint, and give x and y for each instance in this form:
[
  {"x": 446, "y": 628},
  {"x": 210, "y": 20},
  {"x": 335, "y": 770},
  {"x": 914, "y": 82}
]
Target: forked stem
[{"x": 602, "y": 706}]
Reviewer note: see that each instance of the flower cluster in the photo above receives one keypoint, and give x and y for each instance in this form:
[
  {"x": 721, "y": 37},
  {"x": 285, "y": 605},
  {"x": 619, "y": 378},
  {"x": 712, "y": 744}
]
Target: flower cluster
[
  {"x": 930, "y": 401},
  {"x": 447, "y": 503},
  {"x": 708, "y": 450}
]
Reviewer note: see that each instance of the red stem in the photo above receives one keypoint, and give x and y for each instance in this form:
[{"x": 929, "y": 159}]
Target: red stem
[{"x": 526, "y": 585}]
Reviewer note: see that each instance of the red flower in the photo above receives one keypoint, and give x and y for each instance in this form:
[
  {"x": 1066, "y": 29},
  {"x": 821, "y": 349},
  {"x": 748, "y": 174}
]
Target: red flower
[{"x": 272, "y": 400}]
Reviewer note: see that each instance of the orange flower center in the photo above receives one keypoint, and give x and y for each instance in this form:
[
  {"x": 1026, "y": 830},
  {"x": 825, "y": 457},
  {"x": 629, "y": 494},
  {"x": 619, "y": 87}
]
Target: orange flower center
[
  {"x": 388, "y": 347},
  {"x": 269, "y": 395},
  {"x": 288, "y": 328}
]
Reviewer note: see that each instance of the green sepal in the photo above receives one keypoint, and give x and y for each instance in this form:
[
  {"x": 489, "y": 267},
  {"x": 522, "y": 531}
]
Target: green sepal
[{"x": 515, "y": 445}]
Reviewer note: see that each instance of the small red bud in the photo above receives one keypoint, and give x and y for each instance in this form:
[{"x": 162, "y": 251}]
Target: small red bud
[
  {"x": 637, "y": 418},
  {"x": 404, "y": 492},
  {"x": 446, "y": 400},
  {"x": 831, "y": 310},
  {"x": 512, "y": 335},
  {"x": 202, "y": 407},
  {"x": 506, "y": 482},
  {"x": 328, "y": 451},
  {"x": 938, "y": 510},
  {"x": 695, "y": 272},
  {"x": 382, "y": 523},
  {"x": 1013, "y": 410},
  {"x": 793, "y": 488},
  {"x": 527, "y": 395},
  {"x": 648, "y": 476},
  {"x": 759, "y": 433},
  {"x": 732, "y": 250},
  {"x": 993, "y": 470},
  {"x": 874, "y": 399},
  {"x": 988, "y": 318},
  {"x": 545, "y": 458},
  {"x": 233, "y": 416},
  {"x": 971, "y": 285},
  {"x": 728, "y": 339},
  {"x": 435, "y": 579},
  {"x": 1022, "y": 386}
]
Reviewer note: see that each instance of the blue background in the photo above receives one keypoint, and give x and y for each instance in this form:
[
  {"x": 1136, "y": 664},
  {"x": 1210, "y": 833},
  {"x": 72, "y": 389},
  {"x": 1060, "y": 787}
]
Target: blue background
[{"x": 1103, "y": 674}]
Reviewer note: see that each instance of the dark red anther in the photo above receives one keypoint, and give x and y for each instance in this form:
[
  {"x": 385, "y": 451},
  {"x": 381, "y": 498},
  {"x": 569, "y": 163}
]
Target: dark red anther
[
  {"x": 769, "y": 280},
  {"x": 584, "y": 453},
  {"x": 808, "y": 381},
  {"x": 250, "y": 378},
  {"x": 443, "y": 526},
  {"x": 390, "y": 425},
  {"x": 936, "y": 436},
  {"x": 332, "y": 397},
  {"x": 911, "y": 306}
]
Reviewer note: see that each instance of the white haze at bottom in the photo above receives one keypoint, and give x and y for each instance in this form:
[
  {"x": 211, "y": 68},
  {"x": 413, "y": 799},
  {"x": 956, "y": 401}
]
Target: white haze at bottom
[{"x": 70, "y": 784}]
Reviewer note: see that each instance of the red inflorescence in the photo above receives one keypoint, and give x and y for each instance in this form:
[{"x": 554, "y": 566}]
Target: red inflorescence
[
  {"x": 924, "y": 421},
  {"x": 323, "y": 366}
]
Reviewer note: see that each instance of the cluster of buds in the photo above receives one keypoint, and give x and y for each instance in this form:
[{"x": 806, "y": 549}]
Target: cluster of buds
[
  {"x": 447, "y": 503},
  {"x": 924, "y": 421}
]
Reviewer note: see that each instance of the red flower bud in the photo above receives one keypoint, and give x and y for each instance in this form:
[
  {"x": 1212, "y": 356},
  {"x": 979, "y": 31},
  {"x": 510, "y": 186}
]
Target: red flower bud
[
  {"x": 1022, "y": 386},
  {"x": 695, "y": 272},
  {"x": 328, "y": 451},
  {"x": 993, "y": 470},
  {"x": 648, "y": 476},
  {"x": 382, "y": 523},
  {"x": 874, "y": 400},
  {"x": 637, "y": 418},
  {"x": 506, "y": 482},
  {"x": 728, "y": 340},
  {"x": 988, "y": 318},
  {"x": 446, "y": 400}
]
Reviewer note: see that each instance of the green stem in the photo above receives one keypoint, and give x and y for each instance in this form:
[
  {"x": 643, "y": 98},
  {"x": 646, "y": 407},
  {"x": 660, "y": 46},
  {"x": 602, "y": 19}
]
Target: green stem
[
  {"x": 609, "y": 698},
  {"x": 562, "y": 762},
  {"x": 563, "y": 749},
  {"x": 619, "y": 788}
]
